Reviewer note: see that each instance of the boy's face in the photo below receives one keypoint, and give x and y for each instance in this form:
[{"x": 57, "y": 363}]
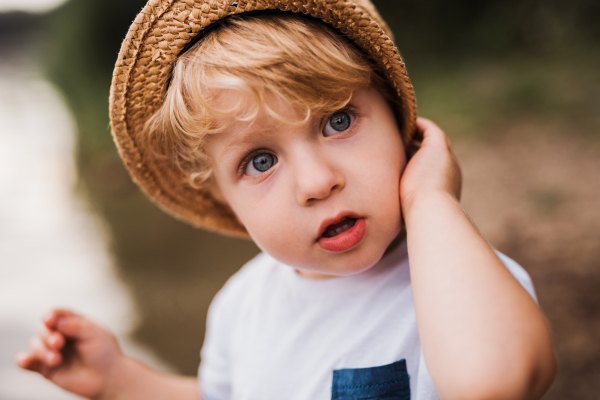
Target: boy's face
[{"x": 321, "y": 197}]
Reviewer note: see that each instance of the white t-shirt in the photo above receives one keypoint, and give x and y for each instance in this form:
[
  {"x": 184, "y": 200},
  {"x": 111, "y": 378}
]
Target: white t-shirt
[{"x": 275, "y": 335}]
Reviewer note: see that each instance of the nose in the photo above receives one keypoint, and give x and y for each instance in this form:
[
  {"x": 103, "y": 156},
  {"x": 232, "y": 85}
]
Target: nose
[{"x": 316, "y": 179}]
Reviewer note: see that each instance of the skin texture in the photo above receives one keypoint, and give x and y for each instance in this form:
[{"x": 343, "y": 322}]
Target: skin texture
[
  {"x": 476, "y": 322},
  {"x": 316, "y": 177},
  {"x": 469, "y": 307},
  {"x": 83, "y": 358}
]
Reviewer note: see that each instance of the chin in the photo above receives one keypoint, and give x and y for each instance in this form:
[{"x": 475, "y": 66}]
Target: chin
[
  {"x": 355, "y": 262},
  {"x": 359, "y": 259}
]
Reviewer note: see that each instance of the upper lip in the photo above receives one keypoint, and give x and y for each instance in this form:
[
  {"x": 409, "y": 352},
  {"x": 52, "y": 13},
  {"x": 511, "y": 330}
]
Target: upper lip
[{"x": 334, "y": 220}]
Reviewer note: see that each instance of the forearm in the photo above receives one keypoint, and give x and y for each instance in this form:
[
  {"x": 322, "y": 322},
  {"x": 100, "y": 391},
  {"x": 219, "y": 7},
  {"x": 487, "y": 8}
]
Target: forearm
[
  {"x": 132, "y": 380},
  {"x": 482, "y": 334}
]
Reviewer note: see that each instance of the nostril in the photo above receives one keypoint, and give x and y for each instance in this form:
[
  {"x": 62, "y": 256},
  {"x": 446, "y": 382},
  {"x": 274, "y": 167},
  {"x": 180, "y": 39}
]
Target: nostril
[{"x": 314, "y": 185}]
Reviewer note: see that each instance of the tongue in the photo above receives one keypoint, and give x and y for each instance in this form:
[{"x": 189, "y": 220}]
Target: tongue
[{"x": 342, "y": 226}]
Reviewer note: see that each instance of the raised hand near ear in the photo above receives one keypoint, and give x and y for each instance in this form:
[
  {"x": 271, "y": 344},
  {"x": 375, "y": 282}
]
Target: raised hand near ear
[{"x": 433, "y": 167}]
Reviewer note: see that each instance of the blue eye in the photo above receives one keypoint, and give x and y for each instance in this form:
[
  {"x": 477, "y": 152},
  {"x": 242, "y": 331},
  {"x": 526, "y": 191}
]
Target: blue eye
[
  {"x": 260, "y": 163},
  {"x": 338, "y": 122}
]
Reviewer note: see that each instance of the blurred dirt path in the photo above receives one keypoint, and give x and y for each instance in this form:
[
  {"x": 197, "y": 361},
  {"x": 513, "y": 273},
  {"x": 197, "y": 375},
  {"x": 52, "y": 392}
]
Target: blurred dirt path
[{"x": 534, "y": 191}]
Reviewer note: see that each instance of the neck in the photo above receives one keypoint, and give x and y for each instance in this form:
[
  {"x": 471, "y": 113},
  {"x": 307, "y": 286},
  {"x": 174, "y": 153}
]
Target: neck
[{"x": 391, "y": 247}]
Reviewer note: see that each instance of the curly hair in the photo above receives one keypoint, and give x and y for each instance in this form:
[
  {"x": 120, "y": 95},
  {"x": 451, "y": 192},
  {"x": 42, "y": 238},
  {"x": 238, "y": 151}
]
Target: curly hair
[{"x": 282, "y": 55}]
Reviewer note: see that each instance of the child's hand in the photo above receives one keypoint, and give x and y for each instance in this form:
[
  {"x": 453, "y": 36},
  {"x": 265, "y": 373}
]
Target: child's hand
[
  {"x": 73, "y": 353},
  {"x": 433, "y": 168},
  {"x": 469, "y": 307}
]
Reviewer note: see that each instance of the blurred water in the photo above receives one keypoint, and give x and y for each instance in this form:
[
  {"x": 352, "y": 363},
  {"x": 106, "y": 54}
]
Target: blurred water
[
  {"x": 29, "y": 5},
  {"x": 53, "y": 251}
]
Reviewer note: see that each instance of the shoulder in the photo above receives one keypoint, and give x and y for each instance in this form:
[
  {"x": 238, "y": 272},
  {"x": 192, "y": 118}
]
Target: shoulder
[{"x": 518, "y": 272}]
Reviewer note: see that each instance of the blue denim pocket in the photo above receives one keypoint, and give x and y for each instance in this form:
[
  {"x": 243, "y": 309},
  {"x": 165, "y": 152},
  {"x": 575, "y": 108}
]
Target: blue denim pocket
[{"x": 388, "y": 382}]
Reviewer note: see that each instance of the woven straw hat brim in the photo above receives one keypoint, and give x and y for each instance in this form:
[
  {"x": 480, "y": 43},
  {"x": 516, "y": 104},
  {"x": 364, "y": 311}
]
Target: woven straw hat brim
[{"x": 141, "y": 75}]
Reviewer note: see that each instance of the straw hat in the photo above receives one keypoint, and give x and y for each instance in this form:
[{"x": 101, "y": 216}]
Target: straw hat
[{"x": 155, "y": 39}]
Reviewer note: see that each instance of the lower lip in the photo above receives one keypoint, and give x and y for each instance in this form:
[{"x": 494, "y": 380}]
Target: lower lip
[{"x": 345, "y": 240}]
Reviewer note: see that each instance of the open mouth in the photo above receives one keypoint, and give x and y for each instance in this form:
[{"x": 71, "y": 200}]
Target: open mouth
[
  {"x": 343, "y": 235},
  {"x": 342, "y": 226}
]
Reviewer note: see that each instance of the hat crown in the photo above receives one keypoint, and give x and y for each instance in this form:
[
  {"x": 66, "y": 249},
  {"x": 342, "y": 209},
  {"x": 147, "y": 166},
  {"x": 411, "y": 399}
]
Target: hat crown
[{"x": 141, "y": 76}]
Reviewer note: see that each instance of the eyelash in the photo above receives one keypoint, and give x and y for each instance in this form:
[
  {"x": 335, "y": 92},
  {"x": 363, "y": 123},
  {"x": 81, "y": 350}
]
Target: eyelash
[
  {"x": 246, "y": 160},
  {"x": 350, "y": 109}
]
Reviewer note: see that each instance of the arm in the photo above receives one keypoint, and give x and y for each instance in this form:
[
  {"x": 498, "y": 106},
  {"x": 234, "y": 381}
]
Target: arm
[
  {"x": 483, "y": 336},
  {"x": 85, "y": 359},
  {"x": 133, "y": 380}
]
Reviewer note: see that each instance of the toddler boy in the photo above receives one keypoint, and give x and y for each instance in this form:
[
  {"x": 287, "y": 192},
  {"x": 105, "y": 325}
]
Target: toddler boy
[{"x": 291, "y": 122}]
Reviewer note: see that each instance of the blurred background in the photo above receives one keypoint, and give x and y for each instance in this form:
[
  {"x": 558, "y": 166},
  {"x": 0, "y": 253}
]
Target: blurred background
[{"x": 515, "y": 84}]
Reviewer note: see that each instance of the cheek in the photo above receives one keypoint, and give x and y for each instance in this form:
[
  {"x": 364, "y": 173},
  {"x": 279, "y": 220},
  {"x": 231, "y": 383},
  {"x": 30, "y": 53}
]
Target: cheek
[
  {"x": 267, "y": 215},
  {"x": 271, "y": 225},
  {"x": 381, "y": 172},
  {"x": 382, "y": 180}
]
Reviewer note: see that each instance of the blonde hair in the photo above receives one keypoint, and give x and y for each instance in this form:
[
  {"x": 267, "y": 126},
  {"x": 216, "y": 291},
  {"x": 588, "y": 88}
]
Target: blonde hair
[{"x": 288, "y": 56}]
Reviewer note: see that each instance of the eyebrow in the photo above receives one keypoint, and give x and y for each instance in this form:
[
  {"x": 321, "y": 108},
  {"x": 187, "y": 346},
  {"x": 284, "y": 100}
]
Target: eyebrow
[
  {"x": 246, "y": 137},
  {"x": 229, "y": 147},
  {"x": 242, "y": 139}
]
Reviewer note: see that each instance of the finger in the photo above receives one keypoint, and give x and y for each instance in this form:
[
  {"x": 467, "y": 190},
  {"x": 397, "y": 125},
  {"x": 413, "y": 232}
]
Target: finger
[
  {"x": 70, "y": 324},
  {"x": 23, "y": 360},
  {"x": 30, "y": 363},
  {"x": 77, "y": 327},
  {"x": 51, "y": 318},
  {"x": 432, "y": 134},
  {"x": 51, "y": 339},
  {"x": 39, "y": 351},
  {"x": 423, "y": 123}
]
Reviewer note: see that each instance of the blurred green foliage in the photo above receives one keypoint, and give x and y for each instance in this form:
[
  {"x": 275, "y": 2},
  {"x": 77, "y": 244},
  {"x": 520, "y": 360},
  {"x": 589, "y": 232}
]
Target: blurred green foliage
[
  {"x": 526, "y": 55},
  {"x": 464, "y": 28},
  {"x": 473, "y": 64}
]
